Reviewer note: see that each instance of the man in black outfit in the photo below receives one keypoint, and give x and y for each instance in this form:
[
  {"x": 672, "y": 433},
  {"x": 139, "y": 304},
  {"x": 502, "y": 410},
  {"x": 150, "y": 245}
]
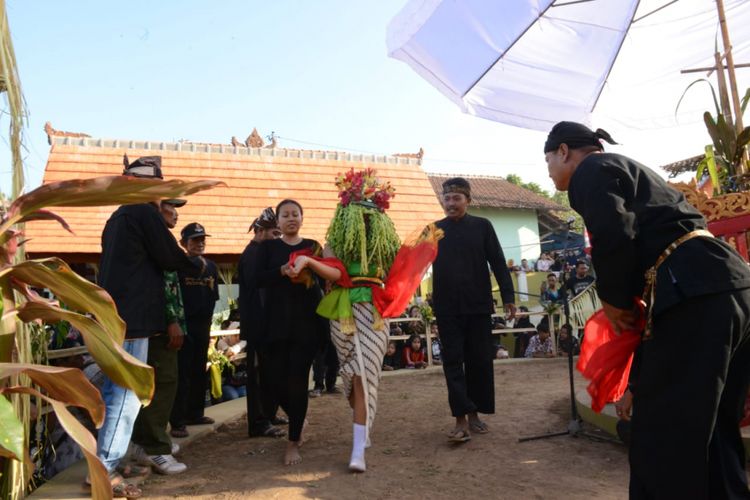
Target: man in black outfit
[
  {"x": 580, "y": 280},
  {"x": 694, "y": 361},
  {"x": 199, "y": 296},
  {"x": 261, "y": 402},
  {"x": 462, "y": 301},
  {"x": 137, "y": 248}
]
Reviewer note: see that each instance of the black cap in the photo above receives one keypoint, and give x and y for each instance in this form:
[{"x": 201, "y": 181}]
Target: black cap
[
  {"x": 145, "y": 166},
  {"x": 192, "y": 230},
  {"x": 175, "y": 202}
]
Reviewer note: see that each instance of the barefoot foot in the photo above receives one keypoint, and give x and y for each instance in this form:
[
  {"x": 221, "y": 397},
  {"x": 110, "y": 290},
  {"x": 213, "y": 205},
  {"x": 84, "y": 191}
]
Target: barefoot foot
[{"x": 292, "y": 456}]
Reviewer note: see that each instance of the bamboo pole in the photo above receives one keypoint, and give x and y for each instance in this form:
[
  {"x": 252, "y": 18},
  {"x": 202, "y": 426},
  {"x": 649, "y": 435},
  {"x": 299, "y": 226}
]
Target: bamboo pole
[{"x": 730, "y": 66}]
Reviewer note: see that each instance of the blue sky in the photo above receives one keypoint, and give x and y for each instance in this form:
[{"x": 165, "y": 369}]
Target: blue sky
[{"x": 205, "y": 71}]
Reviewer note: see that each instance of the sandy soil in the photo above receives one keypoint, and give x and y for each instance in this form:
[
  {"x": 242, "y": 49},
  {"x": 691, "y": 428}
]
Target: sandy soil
[{"x": 410, "y": 456}]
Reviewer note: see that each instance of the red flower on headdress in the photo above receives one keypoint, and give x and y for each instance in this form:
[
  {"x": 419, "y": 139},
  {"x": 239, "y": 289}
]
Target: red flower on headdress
[{"x": 364, "y": 186}]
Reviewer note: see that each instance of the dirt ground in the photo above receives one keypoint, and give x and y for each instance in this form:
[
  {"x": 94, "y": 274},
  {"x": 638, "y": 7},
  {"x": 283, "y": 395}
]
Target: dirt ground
[{"x": 410, "y": 456}]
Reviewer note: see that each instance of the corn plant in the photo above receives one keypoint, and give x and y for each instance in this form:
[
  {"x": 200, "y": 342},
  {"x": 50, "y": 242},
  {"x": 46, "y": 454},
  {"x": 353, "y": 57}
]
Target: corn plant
[{"x": 88, "y": 307}]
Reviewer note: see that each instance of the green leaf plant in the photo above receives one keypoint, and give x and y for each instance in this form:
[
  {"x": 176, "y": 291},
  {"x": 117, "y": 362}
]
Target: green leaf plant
[
  {"x": 725, "y": 161},
  {"x": 88, "y": 307}
]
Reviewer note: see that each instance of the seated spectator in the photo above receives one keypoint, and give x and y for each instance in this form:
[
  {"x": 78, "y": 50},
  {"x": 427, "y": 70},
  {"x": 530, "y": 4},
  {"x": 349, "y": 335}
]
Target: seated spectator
[
  {"x": 550, "y": 290},
  {"x": 234, "y": 376},
  {"x": 544, "y": 262},
  {"x": 567, "y": 341},
  {"x": 540, "y": 345},
  {"x": 231, "y": 345},
  {"x": 414, "y": 327},
  {"x": 413, "y": 354},
  {"x": 390, "y": 360},
  {"x": 436, "y": 347},
  {"x": 501, "y": 352},
  {"x": 396, "y": 329},
  {"x": 522, "y": 338},
  {"x": 580, "y": 280},
  {"x": 525, "y": 267}
]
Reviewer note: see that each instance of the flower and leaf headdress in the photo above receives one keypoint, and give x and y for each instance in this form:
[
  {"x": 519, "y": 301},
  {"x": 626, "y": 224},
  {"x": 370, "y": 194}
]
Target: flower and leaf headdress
[{"x": 360, "y": 231}]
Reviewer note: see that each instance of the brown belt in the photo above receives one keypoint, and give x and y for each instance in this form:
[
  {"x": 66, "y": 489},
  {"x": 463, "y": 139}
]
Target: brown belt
[{"x": 649, "y": 291}]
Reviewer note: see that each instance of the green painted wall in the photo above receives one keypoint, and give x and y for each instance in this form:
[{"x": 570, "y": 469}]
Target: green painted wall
[{"x": 517, "y": 230}]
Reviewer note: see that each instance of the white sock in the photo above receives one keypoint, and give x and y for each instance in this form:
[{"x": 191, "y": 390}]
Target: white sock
[{"x": 359, "y": 441}]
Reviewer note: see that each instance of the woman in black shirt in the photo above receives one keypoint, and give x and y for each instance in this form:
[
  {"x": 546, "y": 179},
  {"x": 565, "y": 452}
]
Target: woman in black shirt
[{"x": 291, "y": 329}]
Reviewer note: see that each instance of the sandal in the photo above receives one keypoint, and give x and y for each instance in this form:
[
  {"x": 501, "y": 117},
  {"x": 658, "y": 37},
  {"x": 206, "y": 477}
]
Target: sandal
[
  {"x": 273, "y": 432},
  {"x": 204, "y": 420},
  {"x": 459, "y": 436},
  {"x": 120, "y": 488},
  {"x": 479, "y": 427},
  {"x": 279, "y": 420},
  {"x": 179, "y": 432},
  {"x": 132, "y": 470}
]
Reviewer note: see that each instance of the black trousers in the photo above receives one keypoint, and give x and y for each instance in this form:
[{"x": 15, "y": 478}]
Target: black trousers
[
  {"x": 326, "y": 366},
  {"x": 261, "y": 401},
  {"x": 290, "y": 363},
  {"x": 467, "y": 353},
  {"x": 193, "y": 378},
  {"x": 688, "y": 401}
]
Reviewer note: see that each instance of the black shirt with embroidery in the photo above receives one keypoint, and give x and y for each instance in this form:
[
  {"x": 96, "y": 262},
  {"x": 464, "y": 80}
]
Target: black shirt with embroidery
[
  {"x": 200, "y": 293},
  {"x": 461, "y": 276},
  {"x": 632, "y": 215}
]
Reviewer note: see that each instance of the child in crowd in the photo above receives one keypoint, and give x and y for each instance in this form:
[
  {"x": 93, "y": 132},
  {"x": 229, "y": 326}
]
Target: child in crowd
[
  {"x": 522, "y": 338},
  {"x": 567, "y": 342},
  {"x": 413, "y": 354},
  {"x": 501, "y": 352},
  {"x": 540, "y": 345},
  {"x": 436, "y": 347},
  {"x": 390, "y": 360}
]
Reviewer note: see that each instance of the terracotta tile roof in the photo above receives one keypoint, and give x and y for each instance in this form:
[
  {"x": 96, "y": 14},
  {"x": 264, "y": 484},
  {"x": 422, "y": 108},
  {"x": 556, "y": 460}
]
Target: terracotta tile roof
[
  {"x": 256, "y": 178},
  {"x": 496, "y": 192}
]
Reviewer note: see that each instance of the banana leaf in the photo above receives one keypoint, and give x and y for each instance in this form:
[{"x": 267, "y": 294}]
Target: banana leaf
[
  {"x": 100, "y": 191},
  {"x": 120, "y": 366},
  {"x": 101, "y": 488}
]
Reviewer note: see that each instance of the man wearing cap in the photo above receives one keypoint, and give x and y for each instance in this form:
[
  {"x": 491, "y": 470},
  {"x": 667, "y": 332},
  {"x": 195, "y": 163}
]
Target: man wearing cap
[
  {"x": 693, "y": 363},
  {"x": 137, "y": 248},
  {"x": 199, "y": 295},
  {"x": 154, "y": 446},
  {"x": 463, "y": 305},
  {"x": 261, "y": 403}
]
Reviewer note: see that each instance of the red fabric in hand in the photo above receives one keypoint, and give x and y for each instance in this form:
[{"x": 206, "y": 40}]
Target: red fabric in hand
[
  {"x": 406, "y": 273},
  {"x": 344, "y": 281},
  {"x": 605, "y": 359}
]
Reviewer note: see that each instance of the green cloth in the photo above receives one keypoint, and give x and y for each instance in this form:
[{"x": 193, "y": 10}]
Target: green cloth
[
  {"x": 338, "y": 303},
  {"x": 175, "y": 309}
]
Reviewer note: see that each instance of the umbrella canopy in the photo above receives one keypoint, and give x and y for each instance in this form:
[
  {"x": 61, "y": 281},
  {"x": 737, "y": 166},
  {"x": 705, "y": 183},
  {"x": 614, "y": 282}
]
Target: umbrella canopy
[{"x": 532, "y": 63}]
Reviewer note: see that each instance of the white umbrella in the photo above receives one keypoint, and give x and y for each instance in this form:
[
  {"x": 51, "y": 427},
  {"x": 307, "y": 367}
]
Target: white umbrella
[{"x": 532, "y": 63}]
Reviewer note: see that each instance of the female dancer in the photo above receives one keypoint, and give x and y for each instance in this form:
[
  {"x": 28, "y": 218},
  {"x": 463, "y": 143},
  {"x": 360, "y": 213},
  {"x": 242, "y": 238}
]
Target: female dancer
[
  {"x": 291, "y": 330},
  {"x": 362, "y": 248}
]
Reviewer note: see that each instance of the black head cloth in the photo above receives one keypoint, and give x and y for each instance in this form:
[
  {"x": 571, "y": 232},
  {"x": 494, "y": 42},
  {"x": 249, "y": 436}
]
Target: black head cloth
[{"x": 576, "y": 136}]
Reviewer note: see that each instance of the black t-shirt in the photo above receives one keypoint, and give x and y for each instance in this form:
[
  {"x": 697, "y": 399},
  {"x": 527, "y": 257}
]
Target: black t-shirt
[
  {"x": 199, "y": 294},
  {"x": 632, "y": 215},
  {"x": 289, "y": 308},
  {"x": 576, "y": 285}
]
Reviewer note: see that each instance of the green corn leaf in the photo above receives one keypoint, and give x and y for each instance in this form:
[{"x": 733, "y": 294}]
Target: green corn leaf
[
  {"x": 100, "y": 191},
  {"x": 73, "y": 290},
  {"x": 124, "y": 369},
  {"x": 11, "y": 432},
  {"x": 101, "y": 488}
]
